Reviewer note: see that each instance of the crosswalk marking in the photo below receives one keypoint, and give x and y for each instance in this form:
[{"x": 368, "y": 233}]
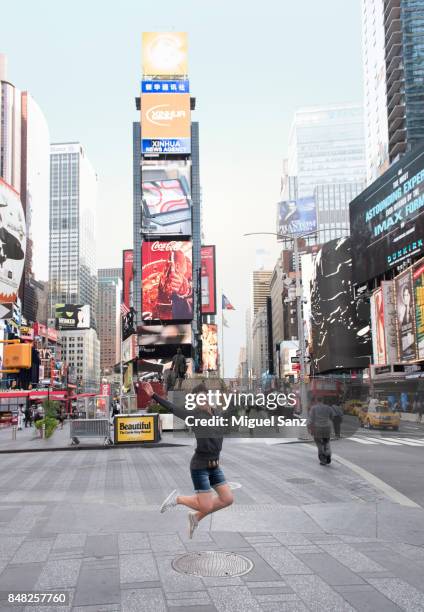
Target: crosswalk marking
[{"x": 418, "y": 442}]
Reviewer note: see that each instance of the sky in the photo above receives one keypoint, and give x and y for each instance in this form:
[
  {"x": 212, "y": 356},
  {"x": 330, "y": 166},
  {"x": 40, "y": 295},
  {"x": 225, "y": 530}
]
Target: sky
[{"x": 251, "y": 65}]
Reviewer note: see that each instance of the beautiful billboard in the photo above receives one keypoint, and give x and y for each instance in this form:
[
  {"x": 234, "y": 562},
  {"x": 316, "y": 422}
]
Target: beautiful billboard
[
  {"x": 387, "y": 219},
  {"x": 165, "y": 54},
  {"x": 165, "y": 123},
  {"x": 72, "y": 316},
  {"x": 127, "y": 277},
  {"x": 405, "y": 312},
  {"x": 166, "y": 202},
  {"x": 208, "y": 279},
  {"x": 210, "y": 347},
  {"x": 12, "y": 243},
  {"x": 167, "y": 280},
  {"x": 297, "y": 216}
]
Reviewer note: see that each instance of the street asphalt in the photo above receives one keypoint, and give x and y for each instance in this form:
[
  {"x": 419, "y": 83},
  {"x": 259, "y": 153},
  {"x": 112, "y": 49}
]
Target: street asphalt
[{"x": 320, "y": 538}]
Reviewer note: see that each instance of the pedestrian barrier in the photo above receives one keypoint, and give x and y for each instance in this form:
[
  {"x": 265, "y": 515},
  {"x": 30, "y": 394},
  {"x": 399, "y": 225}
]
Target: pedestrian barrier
[{"x": 90, "y": 428}]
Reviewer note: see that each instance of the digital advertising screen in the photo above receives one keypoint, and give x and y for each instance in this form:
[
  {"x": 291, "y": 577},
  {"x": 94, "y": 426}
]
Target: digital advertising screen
[
  {"x": 167, "y": 280},
  {"x": 165, "y": 54},
  {"x": 166, "y": 201},
  {"x": 405, "y": 313},
  {"x": 12, "y": 243},
  {"x": 208, "y": 279},
  {"x": 387, "y": 219},
  {"x": 127, "y": 277},
  {"x": 297, "y": 216},
  {"x": 72, "y": 316},
  {"x": 341, "y": 334},
  {"x": 377, "y": 327},
  {"x": 165, "y": 123},
  {"x": 210, "y": 347},
  {"x": 418, "y": 278},
  {"x": 162, "y": 341}
]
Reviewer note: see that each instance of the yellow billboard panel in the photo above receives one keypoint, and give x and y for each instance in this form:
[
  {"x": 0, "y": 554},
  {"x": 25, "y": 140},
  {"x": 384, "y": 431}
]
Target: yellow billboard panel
[
  {"x": 165, "y": 116},
  {"x": 139, "y": 428},
  {"x": 165, "y": 54}
]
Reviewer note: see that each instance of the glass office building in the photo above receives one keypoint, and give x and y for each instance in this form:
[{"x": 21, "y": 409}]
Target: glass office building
[{"x": 72, "y": 256}]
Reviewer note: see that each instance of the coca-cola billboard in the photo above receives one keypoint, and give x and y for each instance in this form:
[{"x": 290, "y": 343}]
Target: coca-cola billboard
[
  {"x": 167, "y": 282},
  {"x": 127, "y": 277}
]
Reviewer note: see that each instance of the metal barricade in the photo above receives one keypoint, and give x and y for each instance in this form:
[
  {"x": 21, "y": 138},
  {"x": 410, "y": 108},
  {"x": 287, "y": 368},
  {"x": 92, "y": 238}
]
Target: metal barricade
[{"x": 90, "y": 428}]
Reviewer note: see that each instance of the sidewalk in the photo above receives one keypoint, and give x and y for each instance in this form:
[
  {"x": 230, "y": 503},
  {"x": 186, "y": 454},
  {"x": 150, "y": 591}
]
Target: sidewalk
[{"x": 319, "y": 538}]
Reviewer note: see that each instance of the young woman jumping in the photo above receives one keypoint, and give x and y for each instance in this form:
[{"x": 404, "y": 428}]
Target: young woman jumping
[{"x": 206, "y": 472}]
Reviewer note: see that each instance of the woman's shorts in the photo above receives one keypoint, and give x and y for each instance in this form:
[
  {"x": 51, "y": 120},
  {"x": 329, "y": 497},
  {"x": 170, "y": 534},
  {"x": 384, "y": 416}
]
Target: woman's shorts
[{"x": 206, "y": 478}]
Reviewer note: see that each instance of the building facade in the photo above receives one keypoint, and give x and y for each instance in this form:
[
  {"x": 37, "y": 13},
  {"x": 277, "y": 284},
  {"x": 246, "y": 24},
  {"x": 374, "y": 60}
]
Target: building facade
[
  {"x": 24, "y": 164},
  {"x": 261, "y": 286},
  {"x": 393, "y": 42},
  {"x": 81, "y": 352},
  {"x": 326, "y": 159},
  {"x": 73, "y": 193},
  {"x": 260, "y": 359},
  {"x": 108, "y": 317}
]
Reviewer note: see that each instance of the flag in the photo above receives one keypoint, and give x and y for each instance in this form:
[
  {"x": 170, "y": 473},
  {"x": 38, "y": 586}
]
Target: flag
[
  {"x": 226, "y": 304},
  {"x": 224, "y": 321},
  {"x": 124, "y": 310}
]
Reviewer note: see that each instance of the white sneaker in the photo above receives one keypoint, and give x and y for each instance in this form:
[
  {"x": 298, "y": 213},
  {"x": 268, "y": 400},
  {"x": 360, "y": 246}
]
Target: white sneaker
[
  {"x": 170, "y": 501},
  {"x": 193, "y": 524}
]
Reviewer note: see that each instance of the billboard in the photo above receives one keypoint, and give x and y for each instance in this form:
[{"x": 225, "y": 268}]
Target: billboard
[
  {"x": 377, "y": 327},
  {"x": 127, "y": 277},
  {"x": 340, "y": 324},
  {"x": 129, "y": 348},
  {"x": 166, "y": 202},
  {"x": 297, "y": 216},
  {"x": 165, "y": 123},
  {"x": 167, "y": 280},
  {"x": 180, "y": 86},
  {"x": 162, "y": 341},
  {"x": 418, "y": 277},
  {"x": 165, "y": 54},
  {"x": 72, "y": 316},
  {"x": 208, "y": 279},
  {"x": 12, "y": 243},
  {"x": 387, "y": 219},
  {"x": 405, "y": 314},
  {"x": 209, "y": 347}
]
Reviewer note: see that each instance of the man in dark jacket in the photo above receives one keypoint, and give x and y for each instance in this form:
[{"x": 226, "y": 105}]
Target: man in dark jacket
[
  {"x": 179, "y": 368},
  {"x": 319, "y": 424},
  {"x": 206, "y": 472}
]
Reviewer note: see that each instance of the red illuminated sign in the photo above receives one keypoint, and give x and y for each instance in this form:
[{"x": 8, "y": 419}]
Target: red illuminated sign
[{"x": 208, "y": 279}]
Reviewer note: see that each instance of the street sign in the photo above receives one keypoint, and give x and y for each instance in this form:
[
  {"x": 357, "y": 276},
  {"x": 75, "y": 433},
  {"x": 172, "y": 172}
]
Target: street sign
[{"x": 297, "y": 359}]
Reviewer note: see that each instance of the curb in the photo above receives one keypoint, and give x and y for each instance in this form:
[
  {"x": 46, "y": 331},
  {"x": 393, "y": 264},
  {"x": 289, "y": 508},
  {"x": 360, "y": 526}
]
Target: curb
[{"x": 77, "y": 447}]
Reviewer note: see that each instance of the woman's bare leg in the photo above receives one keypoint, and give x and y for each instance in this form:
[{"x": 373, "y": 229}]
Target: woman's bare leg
[{"x": 206, "y": 503}]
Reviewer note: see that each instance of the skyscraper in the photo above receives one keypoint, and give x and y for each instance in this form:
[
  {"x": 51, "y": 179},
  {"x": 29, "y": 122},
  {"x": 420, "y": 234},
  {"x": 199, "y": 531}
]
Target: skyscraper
[
  {"x": 108, "y": 317},
  {"x": 326, "y": 159},
  {"x": 73, "y": 192},
  {"x": 261, "y": 288},
  {"x": 393, "y": 39}
]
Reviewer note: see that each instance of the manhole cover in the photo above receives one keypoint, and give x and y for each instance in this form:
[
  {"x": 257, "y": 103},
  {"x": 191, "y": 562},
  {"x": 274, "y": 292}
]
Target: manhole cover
[
  {"x": 212, "y": 563},
  {"x": 234, "y": 485},
  {"x": 300, "y": 480}
]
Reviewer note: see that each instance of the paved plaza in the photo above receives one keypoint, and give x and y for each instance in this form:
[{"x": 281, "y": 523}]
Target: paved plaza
[{"x": 87, "y": 522}]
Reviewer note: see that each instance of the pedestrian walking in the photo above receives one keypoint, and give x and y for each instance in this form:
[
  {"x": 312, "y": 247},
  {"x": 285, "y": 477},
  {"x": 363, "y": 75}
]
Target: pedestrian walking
[
  {"x": 28, "y": 416},
  {"x": 61, "y": 417},
  {"x": 337, "y": 419},
  {"x": 319, "y": 424},
  {"x": 420, "y": 410},
  {"x": 205, "y": 469},
  {"x": 21, "y": 417},
  {"x": 37, "y": 417},
  {"x": 179, "y": 367}
]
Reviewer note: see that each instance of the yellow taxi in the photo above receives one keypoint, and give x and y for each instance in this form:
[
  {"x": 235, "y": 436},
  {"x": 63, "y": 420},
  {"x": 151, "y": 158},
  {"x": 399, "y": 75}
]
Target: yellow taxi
[
  {"x": 353, "y": 406},
  {"x": 379, "y": 416}
]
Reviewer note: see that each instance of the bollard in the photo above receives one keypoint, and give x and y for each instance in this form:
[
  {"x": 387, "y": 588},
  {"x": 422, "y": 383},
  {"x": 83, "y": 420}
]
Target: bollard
[
  {"x": 13, "y": 432},
  {"x": 43, "y": 430}
]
